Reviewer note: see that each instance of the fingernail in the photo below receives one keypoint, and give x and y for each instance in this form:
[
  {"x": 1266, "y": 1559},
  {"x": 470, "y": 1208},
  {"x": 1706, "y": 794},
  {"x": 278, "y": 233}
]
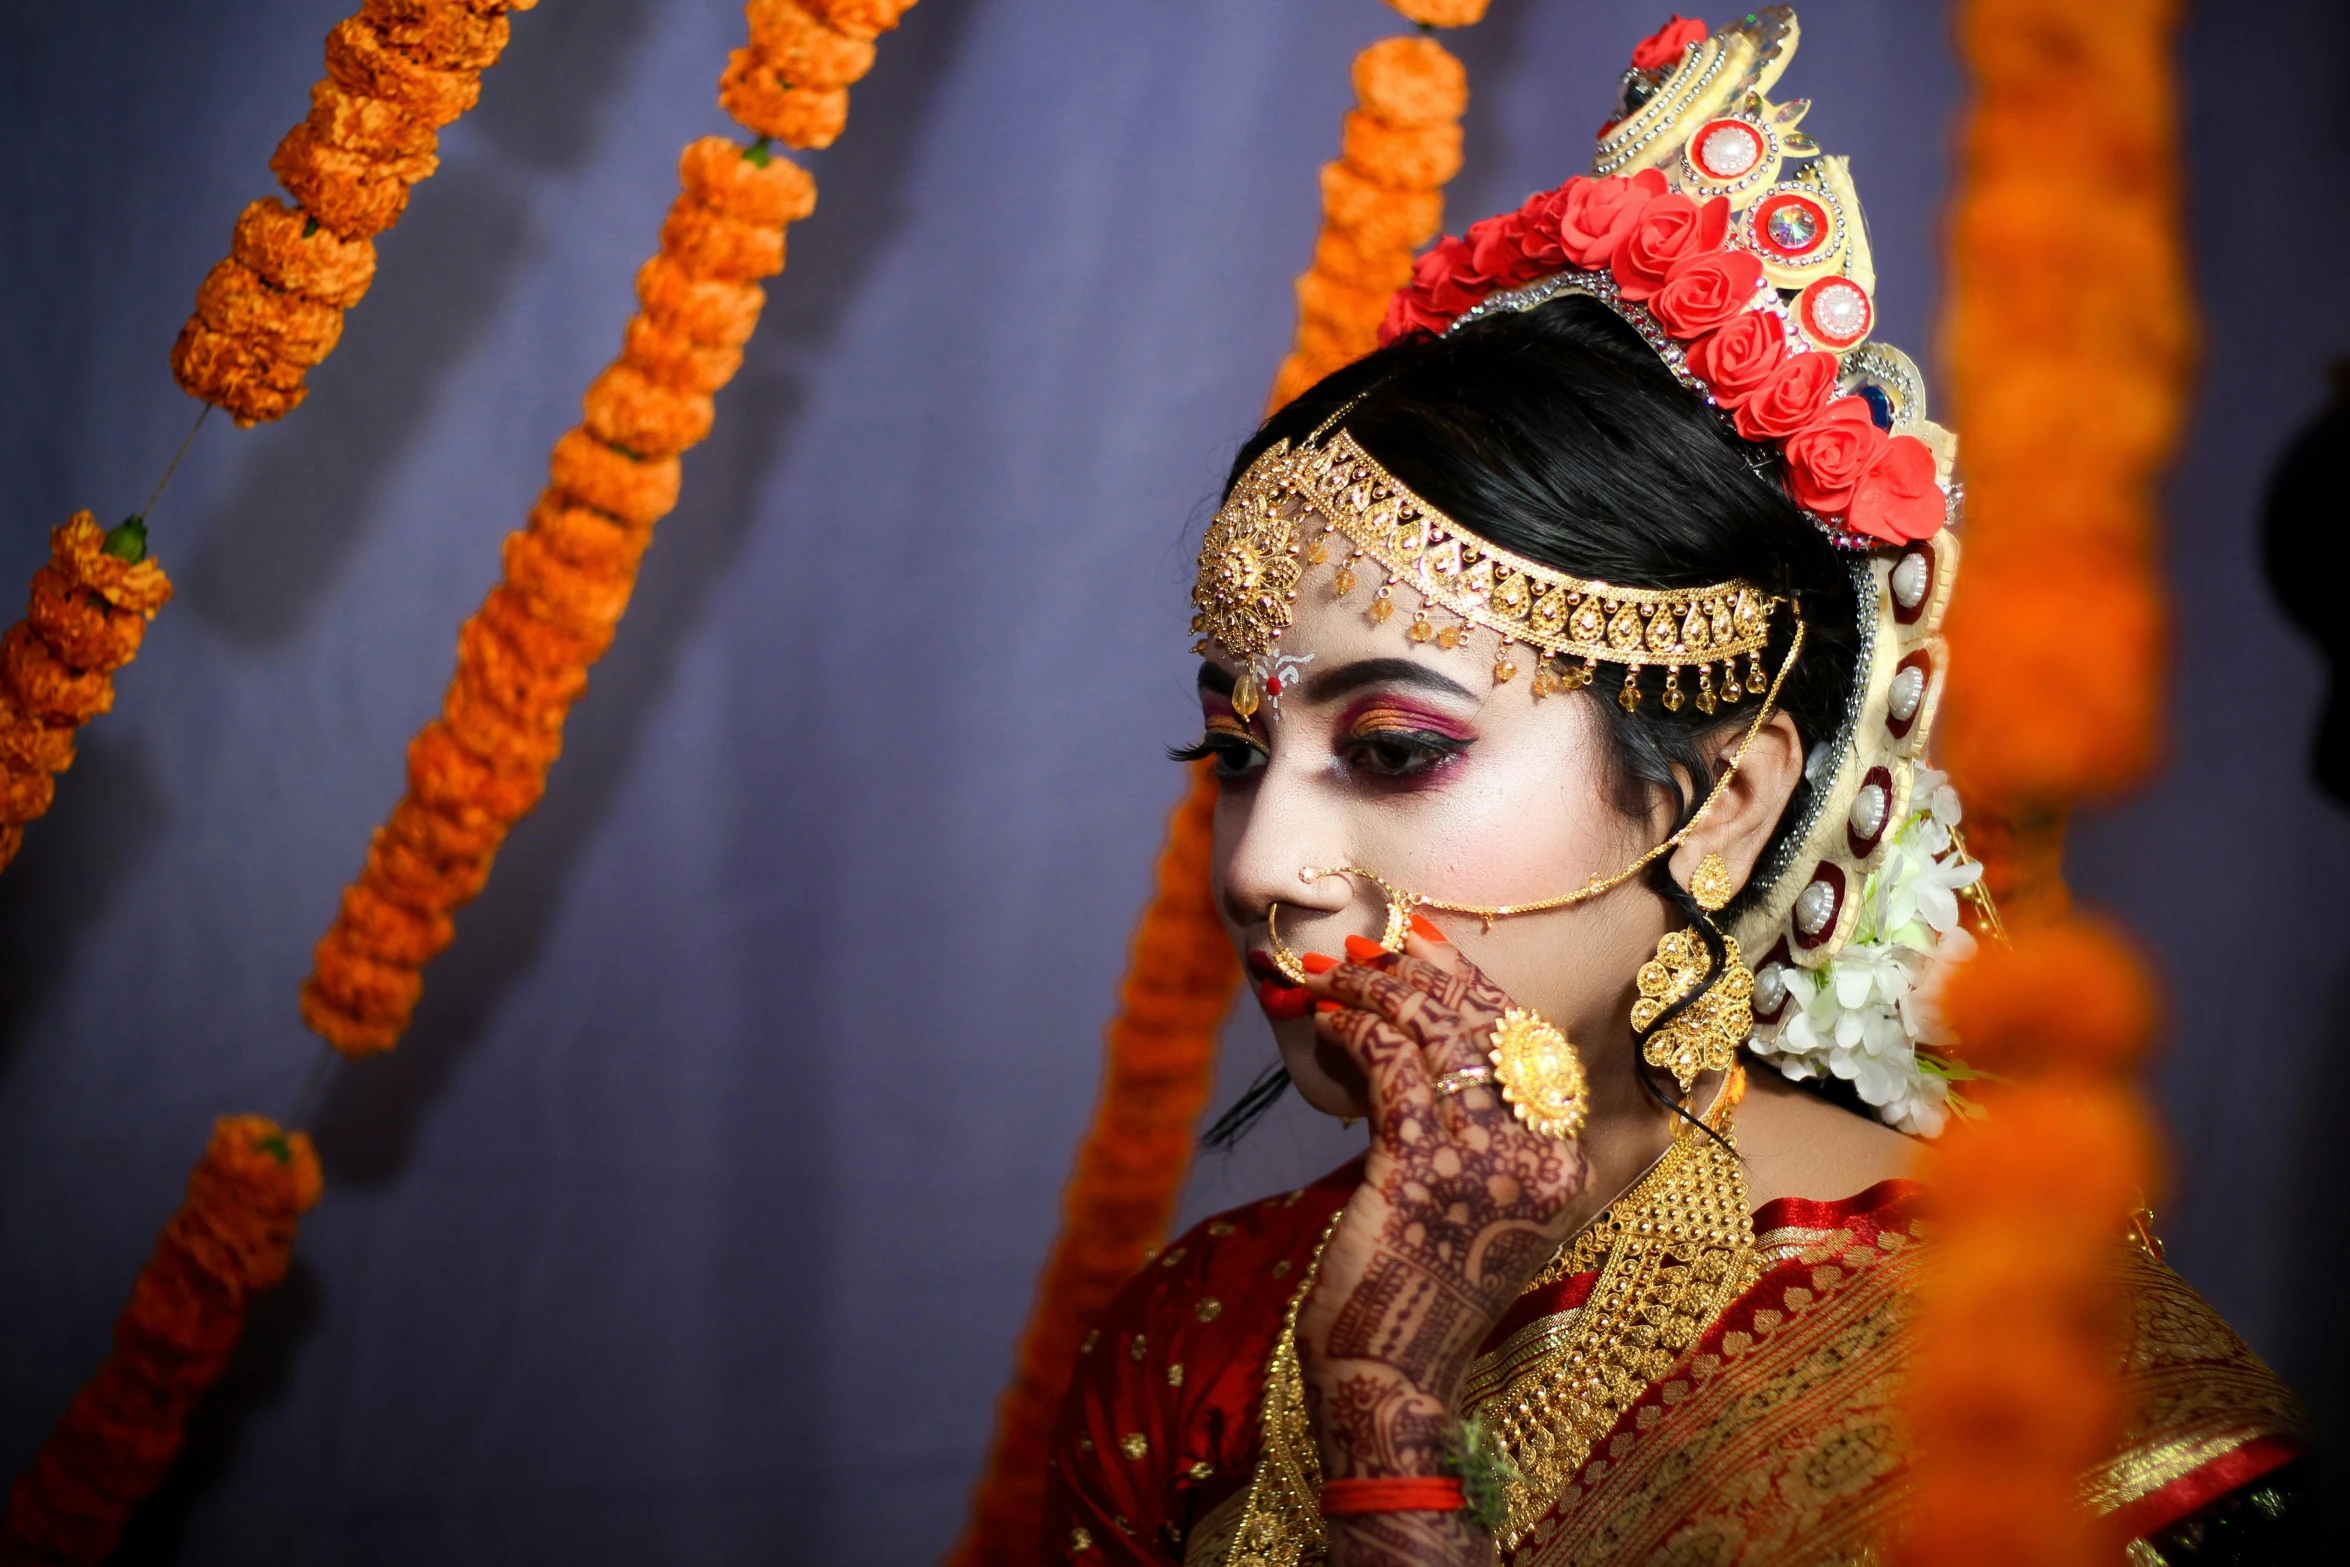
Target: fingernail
[
  {"x": 1425, "y": 928},
  {"x": 1316, "y": 962},
  {"x": 1362, "y": 950},
  {"x": 1321, "y": 1005}
]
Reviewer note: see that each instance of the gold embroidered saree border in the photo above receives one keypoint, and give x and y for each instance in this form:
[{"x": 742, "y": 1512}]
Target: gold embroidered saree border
[
  {"x": 2199, "y": 1391},
  {"x": 1773, "y": 1440}
]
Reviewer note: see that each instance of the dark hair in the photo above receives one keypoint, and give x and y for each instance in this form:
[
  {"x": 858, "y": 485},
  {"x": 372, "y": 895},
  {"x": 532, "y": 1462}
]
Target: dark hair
[{"x": 1558, "y": 434}]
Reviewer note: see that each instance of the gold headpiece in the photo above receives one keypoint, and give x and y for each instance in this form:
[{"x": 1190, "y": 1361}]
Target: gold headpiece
[{"x": 1253, "y": 556}]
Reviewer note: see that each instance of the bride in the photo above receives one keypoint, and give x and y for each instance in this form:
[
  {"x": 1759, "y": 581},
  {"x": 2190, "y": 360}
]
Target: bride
[{"x": 1567, "y": 665}]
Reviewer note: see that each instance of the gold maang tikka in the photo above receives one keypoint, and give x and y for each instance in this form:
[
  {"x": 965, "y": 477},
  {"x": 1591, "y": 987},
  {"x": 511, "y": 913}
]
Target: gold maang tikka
[{"x": 1254, "y": 557}]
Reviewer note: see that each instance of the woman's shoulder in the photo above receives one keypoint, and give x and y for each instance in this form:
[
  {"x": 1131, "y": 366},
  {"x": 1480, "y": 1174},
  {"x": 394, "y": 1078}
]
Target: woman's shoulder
[{"x": 1797, "y": 1145}]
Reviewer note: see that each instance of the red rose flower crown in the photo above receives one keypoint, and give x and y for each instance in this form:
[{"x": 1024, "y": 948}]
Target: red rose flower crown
[{"x": 1724, "y": 235}]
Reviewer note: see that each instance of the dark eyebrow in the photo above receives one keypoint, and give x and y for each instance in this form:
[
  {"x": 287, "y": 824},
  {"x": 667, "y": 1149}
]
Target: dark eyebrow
[
  {"x": 1215, "y": 678},
  {"x": 1331, "y": 684}
]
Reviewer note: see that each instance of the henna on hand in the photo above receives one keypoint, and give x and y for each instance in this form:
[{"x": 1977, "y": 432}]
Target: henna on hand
[{"x": 1459, "y": 1206}]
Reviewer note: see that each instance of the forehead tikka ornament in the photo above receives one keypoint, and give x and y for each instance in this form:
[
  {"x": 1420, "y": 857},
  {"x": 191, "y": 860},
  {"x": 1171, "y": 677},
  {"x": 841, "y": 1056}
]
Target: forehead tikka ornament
[{"x": 1300, "y": 506}]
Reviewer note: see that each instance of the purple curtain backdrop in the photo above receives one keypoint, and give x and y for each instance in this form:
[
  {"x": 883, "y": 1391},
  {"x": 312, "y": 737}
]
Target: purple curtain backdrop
[{"x": 695, "y": 1218}]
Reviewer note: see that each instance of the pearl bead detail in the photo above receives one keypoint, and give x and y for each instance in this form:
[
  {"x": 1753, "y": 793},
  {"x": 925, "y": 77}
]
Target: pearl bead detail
[
  {"x": 1815, "y": 907},
  {"x": 1868, "y": 812},
  {"x": 1909, "y": 689},
  {"x": 1910, "y": 579}
]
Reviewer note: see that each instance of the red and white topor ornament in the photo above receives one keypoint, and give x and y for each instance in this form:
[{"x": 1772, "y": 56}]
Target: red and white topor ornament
[
  {"x": 1835, "y": 313},
  {"x": 1727, "y": 149}
]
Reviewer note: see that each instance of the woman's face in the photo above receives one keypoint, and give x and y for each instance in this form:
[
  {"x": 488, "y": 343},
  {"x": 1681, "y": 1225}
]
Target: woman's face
[{"x": 1408, "y": 760}]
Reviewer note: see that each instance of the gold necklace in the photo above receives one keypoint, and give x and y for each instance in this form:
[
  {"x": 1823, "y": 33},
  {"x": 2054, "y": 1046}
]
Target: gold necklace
[{"x": 1672, "y": 1253}]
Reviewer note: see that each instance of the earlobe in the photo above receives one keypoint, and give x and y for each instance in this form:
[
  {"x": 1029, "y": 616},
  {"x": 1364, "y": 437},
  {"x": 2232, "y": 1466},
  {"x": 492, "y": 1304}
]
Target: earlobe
[{"x": 1754, "y": 798}]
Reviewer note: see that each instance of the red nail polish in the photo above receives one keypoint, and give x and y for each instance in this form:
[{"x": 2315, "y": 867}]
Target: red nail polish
[
  {"x": 1425, "y": 928},
  {"x": 1321, "y": 1005},
  {"x": 1317, "y": 962},
  {"x": 1362, "y": 950}
]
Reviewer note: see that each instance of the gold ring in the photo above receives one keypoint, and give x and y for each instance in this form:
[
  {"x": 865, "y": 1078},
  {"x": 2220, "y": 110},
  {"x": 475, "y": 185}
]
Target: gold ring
[
  {"x": 1283, "y": 959},
  {"x": 1541, "y": 1076},
  {"x": 1466, "y": 1078}
]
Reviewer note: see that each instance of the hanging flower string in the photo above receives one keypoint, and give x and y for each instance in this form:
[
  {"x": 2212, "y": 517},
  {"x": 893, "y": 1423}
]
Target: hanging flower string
[
  {"x": 396, "y": 73},
  {"x": 2068, "y": 291},
  {"x": 90, "y": 608},
  {"x": 231, "y": 1239},
  {"x": 523, "y": 658},
  {"x": 1382, "y": 199}
]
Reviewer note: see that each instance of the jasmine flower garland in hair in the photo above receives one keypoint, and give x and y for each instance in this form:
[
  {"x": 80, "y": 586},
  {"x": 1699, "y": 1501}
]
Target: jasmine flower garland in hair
[{"x": 1871, "y": 1015}]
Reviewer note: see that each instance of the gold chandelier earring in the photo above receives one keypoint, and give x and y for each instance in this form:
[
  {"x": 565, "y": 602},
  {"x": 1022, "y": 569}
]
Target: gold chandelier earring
[{"x": 1705, "y": 1037}]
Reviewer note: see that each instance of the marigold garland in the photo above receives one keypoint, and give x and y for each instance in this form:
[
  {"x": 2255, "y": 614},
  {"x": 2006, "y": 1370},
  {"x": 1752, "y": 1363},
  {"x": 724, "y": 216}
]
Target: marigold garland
[
  {"x": 1161, "y": 1058},
  {"x": 1384, "y": 196},
  {"x": 89, "y": 611},
  {"x": 397, "y": 72},
  {"x": 523, "y": 658},
  {"x": 231, "y": 1239},
  {"x": 792, "y": 82},
  {"x": 2068, "y": 291}
]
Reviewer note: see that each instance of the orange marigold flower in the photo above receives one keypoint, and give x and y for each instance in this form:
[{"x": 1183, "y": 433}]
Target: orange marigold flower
[
  {"x": 676, "y": 360},
  {"x": 509, "y": 741},
  {"x": 595, "y": 543},
  {"x": 1352, "y": 311},
  {"x": 861, "y": 18},
  {"x": 1402, "y": 157},
  {"x": 804, "y": 49},
  {"x": 718, "y": 174},
  {"x": 440, "y": 33},
  {"x": 350, "y": 1034},
  {"x": 506, "y": 675},
  {"x": 80, "y": 627},
  {"x": 405, "y": 872},
  {"x": 439, "y": 837},
  {"x": 755, "y": 95},
  {"x": 234, "y": 300},
  {"x": 358, "y": 58},
  {"x": 363, "y": 986},
  {"x": 77, "y": 547},
  {"x": 707, "y": 310},
  {"x": 628, "y": 409},
  {"x": 31, "y": 743},
  {"x": 292, "y": 252},
  {"x": 24, "y": 796},
  {"x": 536, "y": 639},
  {"x": 392, "y": 931},
  {"x": 1442, "y": 13},
  {"x": 1339, "y": 255},
  {"x": 1411, "y": 81},
  {"x": 46, "y": 685},
  {"x": 1379, "y": 218},
  {"x": 236, "y": 373},
  {"x": 561, "y": 590},
  {"x": 444, "y": 774},
  {"x": 634, "y": 490},
  {"x": 348, "y": 192},
  {"x": 375, "y": 127},
  {"x": 712, "y": 244}
]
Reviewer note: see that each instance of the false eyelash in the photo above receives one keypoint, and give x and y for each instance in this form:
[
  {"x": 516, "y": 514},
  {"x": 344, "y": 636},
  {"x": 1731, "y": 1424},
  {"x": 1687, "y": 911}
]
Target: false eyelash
[{"x": 1197, "y": 751}]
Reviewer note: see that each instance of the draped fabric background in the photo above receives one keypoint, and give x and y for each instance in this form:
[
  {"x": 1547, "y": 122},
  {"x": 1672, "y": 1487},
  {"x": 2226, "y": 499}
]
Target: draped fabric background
[{"x": 694, "y": 1219}]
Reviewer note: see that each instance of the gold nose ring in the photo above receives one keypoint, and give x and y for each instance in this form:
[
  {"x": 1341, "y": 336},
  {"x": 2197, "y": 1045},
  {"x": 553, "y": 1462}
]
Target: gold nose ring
[
  {"x": 1283, "y": 959},
  {"x": 1399, "y": 902}
]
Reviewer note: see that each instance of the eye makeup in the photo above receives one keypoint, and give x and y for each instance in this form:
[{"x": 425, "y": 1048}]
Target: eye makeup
[{"x": 1391, "y": 742}]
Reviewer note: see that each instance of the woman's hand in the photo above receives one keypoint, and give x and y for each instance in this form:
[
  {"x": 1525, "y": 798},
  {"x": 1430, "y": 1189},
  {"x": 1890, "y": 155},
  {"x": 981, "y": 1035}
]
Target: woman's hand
[{"x": 1460, "y": 1205}]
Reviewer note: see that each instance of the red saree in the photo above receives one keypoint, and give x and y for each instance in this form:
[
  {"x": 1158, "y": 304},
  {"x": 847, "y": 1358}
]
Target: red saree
[{"x": 1768, "y": 1437}]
